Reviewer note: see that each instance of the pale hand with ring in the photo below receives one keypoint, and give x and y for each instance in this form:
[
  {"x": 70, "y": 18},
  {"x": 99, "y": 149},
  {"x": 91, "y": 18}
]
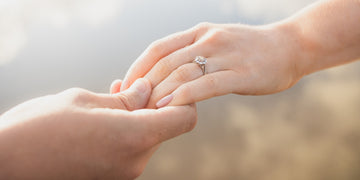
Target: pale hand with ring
[
  {"x": 201, "y": 61},
  {"x": 249, "y": 60}
]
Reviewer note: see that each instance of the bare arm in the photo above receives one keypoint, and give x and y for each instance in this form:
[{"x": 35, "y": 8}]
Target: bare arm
[
  {"x": 249, "y": 60},
  {"x": 329, "y": 34},
  {"x": 79, "y": 134}
]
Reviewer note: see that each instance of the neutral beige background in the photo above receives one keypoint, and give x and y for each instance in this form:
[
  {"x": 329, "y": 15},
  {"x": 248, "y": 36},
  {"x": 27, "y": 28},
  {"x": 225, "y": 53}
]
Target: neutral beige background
[{"x": 311, "y": 131}]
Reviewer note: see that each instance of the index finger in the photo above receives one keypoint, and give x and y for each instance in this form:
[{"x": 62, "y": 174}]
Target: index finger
[
  {"x": 155, "y": 52},
  {"x": 168, "y": 122},
  {"x": 152, "y": 126}
]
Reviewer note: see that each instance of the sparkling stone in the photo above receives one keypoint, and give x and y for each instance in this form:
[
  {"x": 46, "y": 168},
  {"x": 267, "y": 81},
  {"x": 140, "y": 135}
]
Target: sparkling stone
[{"x": 200, "y": 60}]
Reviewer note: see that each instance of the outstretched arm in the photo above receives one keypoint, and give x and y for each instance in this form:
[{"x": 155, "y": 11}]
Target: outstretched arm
[
  {"x": 249, "y": 60},
  {"x": 329, "y": 34},
  {"x": 78, "y": 134}
]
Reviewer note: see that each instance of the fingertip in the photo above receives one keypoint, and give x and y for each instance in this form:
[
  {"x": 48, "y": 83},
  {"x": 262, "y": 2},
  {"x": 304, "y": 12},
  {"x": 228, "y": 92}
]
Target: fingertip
[
  {"x": 141, "y": 85},
  {"x": 137, "y": 95},
  {"x": 164, "y": 101},
  {"x": 115, "y": 86}
]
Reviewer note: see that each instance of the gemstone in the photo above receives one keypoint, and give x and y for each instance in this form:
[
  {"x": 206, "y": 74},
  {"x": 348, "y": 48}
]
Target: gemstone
[{"x": 200, "y": 60}]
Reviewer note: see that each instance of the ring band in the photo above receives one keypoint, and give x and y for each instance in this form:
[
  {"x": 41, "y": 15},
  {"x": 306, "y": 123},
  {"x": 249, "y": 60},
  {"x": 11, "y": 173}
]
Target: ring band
[{"x": 201, "y": 61}]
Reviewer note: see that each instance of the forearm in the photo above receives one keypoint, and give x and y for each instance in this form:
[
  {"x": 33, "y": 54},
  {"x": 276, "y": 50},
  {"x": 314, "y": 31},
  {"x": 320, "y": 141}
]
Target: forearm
[
  {"x": 4, "y": 157},
  {"x": 249, "y": 60},
  {"x": 10, "y": 168},
  {"x": 17, "y": 157},
  {"x": 327, "y": 34}
]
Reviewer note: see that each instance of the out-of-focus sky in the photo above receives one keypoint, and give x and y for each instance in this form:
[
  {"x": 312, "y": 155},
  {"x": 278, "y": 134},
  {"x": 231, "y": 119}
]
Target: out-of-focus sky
[
  {"x": 17, "y": 15},
  {"x": 311, "y": 131}
]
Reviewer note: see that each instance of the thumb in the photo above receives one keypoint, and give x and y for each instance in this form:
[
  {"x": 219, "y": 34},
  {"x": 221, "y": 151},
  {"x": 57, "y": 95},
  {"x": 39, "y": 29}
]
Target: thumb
[{"x": 136, "y": 97}]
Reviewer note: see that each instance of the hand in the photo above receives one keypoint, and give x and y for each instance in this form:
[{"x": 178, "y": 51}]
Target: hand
[
  {"x": 78, "y": 134},
  {"x": 249, "y": 60},
  {"x": 240, "y": 59}
]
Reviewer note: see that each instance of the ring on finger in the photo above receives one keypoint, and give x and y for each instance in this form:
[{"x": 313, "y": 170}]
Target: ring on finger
[{"x": 201, "y": 61}]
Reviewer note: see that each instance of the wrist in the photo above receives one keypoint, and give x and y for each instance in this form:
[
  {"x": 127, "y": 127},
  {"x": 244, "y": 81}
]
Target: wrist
[
  {"x": 304, "y": 50},
  {"x": 289, "y": 47}
]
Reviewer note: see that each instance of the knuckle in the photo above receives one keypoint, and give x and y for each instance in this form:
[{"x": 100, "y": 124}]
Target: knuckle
[
  {"x": 211, "y": 84},
  {"x": 201, "y": 29},
  {"x": 203, "y": 26},
  {"x": 156, "y": 47},
  {"x": 215, "y": 36},
  {"x": 164, "y": 66},
  {"x": 186, "y": 93},
  {"x": 182, "y": 74},
  {"x": 77, "y": 95},
  {"x": 125, "y": 102},
  {"x": 74, "y": 90}
]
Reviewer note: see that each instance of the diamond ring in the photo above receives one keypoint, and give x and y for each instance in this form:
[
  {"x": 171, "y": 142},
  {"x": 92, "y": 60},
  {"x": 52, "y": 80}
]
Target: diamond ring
[{"x": 201, "y": 61}]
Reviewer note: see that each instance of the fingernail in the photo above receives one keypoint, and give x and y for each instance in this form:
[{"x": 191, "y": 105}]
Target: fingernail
[
  {"x": 164, "y": 101},
  {"x": 139, "y": 86}
]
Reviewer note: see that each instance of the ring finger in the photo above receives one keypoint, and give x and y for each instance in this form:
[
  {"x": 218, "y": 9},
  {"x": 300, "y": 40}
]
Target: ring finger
[
  {"x": 183, "y": 74},
  {"x": 168, "y": 64}
]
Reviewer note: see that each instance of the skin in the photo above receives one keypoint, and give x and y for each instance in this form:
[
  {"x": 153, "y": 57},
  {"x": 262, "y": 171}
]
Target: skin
[
  {"x": 248, "y": 60},
  {"x": 77, "y": 134}
]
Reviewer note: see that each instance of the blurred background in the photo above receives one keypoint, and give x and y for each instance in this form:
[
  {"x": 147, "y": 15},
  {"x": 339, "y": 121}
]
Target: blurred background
[{"x": 311, "y": 131}]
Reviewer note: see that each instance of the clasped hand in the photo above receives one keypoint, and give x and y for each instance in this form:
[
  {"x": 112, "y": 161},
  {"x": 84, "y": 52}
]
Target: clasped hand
[
  {"x": 78, "y": 134},
  {"x": 240, "y": 59}
]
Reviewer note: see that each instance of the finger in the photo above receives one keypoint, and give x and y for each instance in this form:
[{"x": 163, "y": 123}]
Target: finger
[
  {"x": 168, "y": 64},
  {"x": 210, "y": 85},
  {"x": 153, "y": 126},
  {"x": 136, "y": 97},
  {"x": 166, "y": 123},
  {"x": 181, "y": 75},
  {"x": 155, "y": 52},
  {"x": 115, "y": 86}
]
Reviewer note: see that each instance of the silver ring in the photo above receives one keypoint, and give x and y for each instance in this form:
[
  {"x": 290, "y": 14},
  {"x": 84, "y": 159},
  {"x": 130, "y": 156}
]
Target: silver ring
[{"x": 201, "y": 61}]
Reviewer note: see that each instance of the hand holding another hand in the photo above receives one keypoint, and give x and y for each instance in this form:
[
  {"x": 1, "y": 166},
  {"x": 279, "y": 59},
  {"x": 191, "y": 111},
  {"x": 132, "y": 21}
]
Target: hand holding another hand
[
  {"x": 248, "y": 60},
  {"x": 78, "y": 134},
  {"x": 241, "y": 59}
]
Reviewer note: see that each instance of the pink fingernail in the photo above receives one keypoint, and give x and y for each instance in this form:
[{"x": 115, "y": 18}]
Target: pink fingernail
[{"x": 164, "y": 101}]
